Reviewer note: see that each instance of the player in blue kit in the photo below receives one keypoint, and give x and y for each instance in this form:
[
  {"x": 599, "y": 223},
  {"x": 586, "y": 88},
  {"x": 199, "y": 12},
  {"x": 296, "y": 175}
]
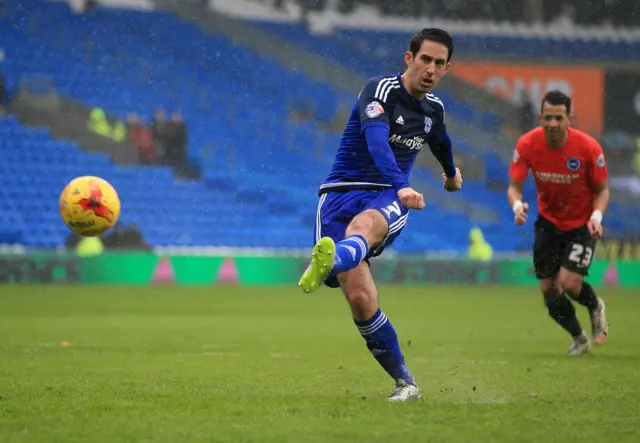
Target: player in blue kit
[{"x": 365, "y": 201}]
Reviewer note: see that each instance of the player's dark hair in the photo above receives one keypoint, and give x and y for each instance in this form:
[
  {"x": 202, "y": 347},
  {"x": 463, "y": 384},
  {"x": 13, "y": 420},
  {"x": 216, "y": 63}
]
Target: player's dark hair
[
  {"x": 433, "y": 35},
  {"x": 557, "y": 98}
]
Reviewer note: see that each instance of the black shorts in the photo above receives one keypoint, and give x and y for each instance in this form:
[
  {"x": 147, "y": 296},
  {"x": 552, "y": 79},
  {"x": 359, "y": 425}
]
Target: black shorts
[{"x": 553, "y": 249}]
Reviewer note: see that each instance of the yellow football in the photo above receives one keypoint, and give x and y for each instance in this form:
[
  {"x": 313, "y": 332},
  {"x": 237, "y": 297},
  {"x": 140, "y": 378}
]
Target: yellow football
[{"x": 89, "y": 206}]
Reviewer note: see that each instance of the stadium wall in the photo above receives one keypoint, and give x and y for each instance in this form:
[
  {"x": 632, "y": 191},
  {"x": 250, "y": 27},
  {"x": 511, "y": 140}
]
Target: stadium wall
[
  {"x": 511, "y": 80},
  {"x": 141, "y": 268}
]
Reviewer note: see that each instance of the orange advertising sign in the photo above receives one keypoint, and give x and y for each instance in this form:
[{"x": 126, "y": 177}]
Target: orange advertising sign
[{"x": 585, "y": 86}]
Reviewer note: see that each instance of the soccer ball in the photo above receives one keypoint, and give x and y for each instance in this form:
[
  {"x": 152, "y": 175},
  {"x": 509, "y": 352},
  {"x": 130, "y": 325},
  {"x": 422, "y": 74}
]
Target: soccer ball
[{"x": 89, "y": 206}]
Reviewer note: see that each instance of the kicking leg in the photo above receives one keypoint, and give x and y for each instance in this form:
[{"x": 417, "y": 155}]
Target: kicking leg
[
  {"x": 376, "y": 329},
  {"x": 367, "y": 229},
  {"x": 582, "y": 292},
  {"x": 564, "y": 313},
  {"x": 322, "y": 260}
]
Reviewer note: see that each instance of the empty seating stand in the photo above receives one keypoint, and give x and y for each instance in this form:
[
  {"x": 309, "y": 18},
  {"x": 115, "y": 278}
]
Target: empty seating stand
[{"x": 261, "y": 168}]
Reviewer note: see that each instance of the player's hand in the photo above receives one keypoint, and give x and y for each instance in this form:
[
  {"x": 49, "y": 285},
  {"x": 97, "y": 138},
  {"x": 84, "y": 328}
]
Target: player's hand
[
  {"x": 452, "y": 184},
  {"x": 520, "y": 216},
  {"x": 410, "y": 198},
  {"x": 595, "y": 228}
]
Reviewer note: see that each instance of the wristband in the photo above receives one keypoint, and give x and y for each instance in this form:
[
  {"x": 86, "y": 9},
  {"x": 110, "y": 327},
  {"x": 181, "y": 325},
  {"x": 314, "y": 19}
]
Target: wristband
[
  {"x": 597, "y": 215},
  {"x": 517, "y": 205}
]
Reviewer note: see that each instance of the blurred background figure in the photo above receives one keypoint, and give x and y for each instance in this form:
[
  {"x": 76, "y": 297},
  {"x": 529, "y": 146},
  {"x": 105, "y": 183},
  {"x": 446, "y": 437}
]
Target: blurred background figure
[
  {"x": 125, "y": 238},
  {"x": 2, "y": 82},
  {"x": 159, "y": 128},
  {"x": 141, "y": 140},
  {"x": 176, "y": 143},
  {"x": 479, "y": 249}
]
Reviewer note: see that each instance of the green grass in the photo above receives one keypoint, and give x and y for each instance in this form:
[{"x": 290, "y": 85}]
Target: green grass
[{"x": 169, "y": 364}]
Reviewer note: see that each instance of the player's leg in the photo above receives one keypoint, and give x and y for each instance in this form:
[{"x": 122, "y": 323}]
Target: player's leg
[
  {"x": 379, "y": 225},
  {"x": 562, "y": 311},
  {"x": 376, "y": 219},
  {"x": 367, "y": 228},
  {"x": 376, "y": 329},
  {"x": 335, "y": 209},
  {"x": 577, "y": 258},
  {"x": 366, "y": 231},
  {"x": 547, "y": 254}
]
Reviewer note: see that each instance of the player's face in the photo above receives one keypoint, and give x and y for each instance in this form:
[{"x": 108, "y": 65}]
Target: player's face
[
  {"x": 555, "y": 121},
  {"x": 427, "y": 67}
]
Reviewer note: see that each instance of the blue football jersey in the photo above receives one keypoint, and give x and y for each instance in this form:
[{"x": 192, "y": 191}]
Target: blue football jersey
[{"x": 412, "y": 123}]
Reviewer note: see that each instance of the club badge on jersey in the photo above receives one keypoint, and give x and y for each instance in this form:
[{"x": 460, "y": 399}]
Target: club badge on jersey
[
  {"x": 428, "y": 123},
  {"x": 573, "y": 164}
]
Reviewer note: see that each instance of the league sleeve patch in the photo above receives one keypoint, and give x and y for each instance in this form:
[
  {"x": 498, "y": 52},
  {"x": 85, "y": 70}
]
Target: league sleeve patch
[
  {"x": 374, "y": 109},
  {"x": 516, "y": 156},
  {"x": 600, "y": 161}
]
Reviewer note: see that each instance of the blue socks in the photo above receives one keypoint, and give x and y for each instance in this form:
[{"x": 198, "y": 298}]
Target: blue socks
[
  {"x": 382, "y": 341},
  {"x": 378, "y": 332},
  {"x": 349, "y": 253}
]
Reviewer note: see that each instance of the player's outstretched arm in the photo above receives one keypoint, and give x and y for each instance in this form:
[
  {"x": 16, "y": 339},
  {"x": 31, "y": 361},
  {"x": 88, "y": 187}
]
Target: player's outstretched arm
[
  {"x": 600, "y": 203},
  {"x": 514, "y": 195},
  {"x": 441, "y": 148},
  {"x": 602, "y": 195},
  {"x": 600, "y": 188},
  {"x": 451, "y": 177},
  {"x": 452, "y": 184},
  {"x": 385, "y": 161},
  {"x": 518, "y": 172}
]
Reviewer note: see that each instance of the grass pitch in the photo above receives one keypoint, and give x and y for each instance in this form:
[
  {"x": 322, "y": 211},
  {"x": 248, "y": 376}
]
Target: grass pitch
[{"x": 222, "y": 364}]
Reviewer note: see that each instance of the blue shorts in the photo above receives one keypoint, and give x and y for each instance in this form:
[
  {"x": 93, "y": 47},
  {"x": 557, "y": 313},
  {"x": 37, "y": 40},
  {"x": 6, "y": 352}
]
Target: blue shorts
[{"x": 337, "y": 209}]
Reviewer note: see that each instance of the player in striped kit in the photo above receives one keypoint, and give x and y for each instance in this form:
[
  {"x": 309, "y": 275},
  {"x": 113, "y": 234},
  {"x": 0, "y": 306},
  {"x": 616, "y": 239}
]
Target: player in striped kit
[{"x": 365, "y": 200}]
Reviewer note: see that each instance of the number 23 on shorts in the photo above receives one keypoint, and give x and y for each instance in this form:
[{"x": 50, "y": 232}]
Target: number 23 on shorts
[{"x": 581, "y": 254}]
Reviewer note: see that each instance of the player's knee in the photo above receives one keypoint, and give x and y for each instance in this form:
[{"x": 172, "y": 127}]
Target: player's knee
[
  {"x": 363, "y": 302},
  {"x": 551, "y": 292},
  {"x": 549, "y": 286},
  {"x": 358, "y": 297},
  {"x": 570, "y": 282},
  {"x": 369, "y": 224}
]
